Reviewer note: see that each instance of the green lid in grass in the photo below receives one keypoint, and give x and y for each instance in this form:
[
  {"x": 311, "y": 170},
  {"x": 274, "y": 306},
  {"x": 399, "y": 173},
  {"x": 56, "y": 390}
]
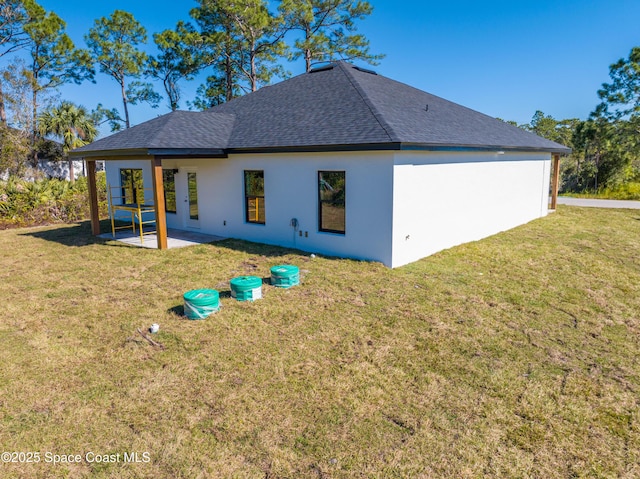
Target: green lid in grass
[{"x": 245, "y": 283}]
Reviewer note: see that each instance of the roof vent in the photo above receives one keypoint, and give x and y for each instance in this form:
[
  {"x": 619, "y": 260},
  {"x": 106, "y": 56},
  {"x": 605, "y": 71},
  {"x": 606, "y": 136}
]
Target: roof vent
[
  {"x": 322, "y": 68},
  {"x": 365, "y": 70}
]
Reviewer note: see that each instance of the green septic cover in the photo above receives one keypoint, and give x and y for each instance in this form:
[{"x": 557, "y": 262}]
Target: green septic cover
[
  {"x": 285, "y": 276},
  {"x": 245, "y": 283},
  {"x": 200, "y": 303},
  {"x": 202, "y": 296},
  {"x": 284, "y": 270}
]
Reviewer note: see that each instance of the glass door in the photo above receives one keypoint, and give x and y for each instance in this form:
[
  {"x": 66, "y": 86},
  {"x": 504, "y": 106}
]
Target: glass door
[{"x": 192, "y": 216}]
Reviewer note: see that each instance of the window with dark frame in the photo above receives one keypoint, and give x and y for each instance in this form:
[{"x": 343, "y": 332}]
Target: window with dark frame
[
  {"x": 169, "y": 182},
  {"x": 254, "y": 196},
  {"x": 132, "y": 185},
  {"x": 331, "y": 202}
]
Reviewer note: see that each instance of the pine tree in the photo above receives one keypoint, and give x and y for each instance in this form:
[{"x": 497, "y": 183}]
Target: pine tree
[
  {"x": 327, "y": 29},
  {"x": 114, "y": 43}
]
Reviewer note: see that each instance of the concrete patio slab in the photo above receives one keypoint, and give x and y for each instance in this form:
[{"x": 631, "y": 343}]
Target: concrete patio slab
[{"x": 175, "y": 238}]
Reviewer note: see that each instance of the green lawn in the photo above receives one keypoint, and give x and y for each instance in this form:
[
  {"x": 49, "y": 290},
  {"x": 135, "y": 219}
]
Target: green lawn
[{"x": 516, "y": 356}]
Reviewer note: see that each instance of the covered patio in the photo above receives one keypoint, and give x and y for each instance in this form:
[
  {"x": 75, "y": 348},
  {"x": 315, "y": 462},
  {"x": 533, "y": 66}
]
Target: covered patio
[
  {"x": 158, "y": 240},
  {"x": 180, "y": 135}
]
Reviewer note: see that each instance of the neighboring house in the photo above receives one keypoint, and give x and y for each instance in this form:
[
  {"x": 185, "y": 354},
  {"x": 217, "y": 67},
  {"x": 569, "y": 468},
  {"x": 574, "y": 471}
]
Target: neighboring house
[
  {"x": 60, "y": 168},
  {"x": 339, "y": 161},
  {"x": 51, "y": 162}
]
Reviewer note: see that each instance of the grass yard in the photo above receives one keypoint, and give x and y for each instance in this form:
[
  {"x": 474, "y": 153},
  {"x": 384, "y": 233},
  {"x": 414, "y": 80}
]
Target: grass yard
[{"x": 516, "y": 356}]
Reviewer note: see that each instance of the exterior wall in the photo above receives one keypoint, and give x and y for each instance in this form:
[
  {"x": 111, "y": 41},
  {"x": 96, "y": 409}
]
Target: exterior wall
[
  {"x": 400, "y": 206},
  {"x": 442, "y": 199},
  {"x": 291, "y": 191}
]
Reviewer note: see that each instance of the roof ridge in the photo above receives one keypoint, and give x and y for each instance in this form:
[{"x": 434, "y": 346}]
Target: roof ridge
[{"x": 372, "y": 108}]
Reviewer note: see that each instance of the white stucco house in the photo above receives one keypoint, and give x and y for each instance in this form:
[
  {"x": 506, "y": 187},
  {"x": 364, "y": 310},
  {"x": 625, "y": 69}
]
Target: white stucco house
[{"x": 339, "y": 161}]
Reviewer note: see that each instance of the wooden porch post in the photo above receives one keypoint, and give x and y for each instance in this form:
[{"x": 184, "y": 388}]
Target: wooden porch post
[
  {"x": 158, "y": 201},
  {"x": 555, "y": 180},
  {"x": 93, "y": 197}
]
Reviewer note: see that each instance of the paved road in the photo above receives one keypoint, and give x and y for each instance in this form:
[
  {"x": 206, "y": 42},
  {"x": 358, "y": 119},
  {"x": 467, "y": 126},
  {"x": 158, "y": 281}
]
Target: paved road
[{"x": 565, "y": 200}]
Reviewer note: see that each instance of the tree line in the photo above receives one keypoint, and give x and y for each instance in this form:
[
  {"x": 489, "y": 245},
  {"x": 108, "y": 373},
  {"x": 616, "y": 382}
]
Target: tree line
[
  {"x": 606, "y": 146},
  {"x": 240, "y": 45}
]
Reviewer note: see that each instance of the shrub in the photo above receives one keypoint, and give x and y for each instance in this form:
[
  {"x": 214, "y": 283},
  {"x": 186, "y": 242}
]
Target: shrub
[
  {"x": 27, "y": 203},
  {"x": 625, "y": 191}
]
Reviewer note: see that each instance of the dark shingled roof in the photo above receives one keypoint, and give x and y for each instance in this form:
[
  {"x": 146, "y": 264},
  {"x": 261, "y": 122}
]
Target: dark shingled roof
[
  {"x": 332, "y": 108},
  {"x": 178, "y": 130}
]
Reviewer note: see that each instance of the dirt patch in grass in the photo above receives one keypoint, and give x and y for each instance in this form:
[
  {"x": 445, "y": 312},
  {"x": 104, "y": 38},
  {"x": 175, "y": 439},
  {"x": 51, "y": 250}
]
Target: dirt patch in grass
[{"x": 515, "y": 356}]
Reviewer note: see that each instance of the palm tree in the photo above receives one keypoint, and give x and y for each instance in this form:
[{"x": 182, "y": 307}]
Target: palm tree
[{"x": 72, "y": 124}]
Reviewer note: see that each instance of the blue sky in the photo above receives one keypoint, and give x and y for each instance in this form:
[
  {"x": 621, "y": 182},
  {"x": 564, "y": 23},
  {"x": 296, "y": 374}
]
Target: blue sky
[{"x": 503, "y": 58}]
